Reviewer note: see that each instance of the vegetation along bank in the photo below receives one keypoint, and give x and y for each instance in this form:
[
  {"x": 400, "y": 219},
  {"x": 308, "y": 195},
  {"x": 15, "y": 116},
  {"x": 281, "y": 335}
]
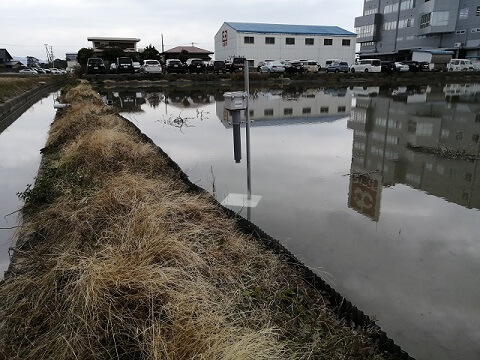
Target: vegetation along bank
[{"x": 118, "y": 258}]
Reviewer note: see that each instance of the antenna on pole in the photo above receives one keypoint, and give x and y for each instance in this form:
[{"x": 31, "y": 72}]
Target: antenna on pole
[{"x": 49, "y": 55}]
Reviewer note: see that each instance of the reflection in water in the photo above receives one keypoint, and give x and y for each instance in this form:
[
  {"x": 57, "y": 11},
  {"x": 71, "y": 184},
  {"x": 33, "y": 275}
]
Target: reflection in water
[
  {"x": 412, "y": 262},
  {"x": 365, "y": 193},
  {"x": 384, "y": 126},
  {"x": 273, "y": 108}
]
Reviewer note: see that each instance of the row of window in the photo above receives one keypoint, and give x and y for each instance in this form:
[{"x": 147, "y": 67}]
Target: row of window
[
  {"x": 410, "y": 4},
  {"x": 305, "y": 111},
  {"x": 269, "y": 40}
]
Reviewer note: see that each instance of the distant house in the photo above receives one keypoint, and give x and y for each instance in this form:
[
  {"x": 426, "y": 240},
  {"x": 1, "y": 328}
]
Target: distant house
[
  {"x": 128, "y": 45},
  {"x": 5, "y": 57},
  {"x": 185, "y": 52}
]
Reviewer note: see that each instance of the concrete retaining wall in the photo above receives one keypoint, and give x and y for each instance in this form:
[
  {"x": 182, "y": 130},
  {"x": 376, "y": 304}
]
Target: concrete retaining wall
[{"x": 13, "y": 108}]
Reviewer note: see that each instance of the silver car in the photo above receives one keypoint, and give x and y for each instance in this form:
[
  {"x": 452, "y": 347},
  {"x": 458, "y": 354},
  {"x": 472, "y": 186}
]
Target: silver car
[{"x": 272, "y": 67}]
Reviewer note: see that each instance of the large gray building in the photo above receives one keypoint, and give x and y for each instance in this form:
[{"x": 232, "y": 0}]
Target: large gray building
[{"x": 392, "y": 29}]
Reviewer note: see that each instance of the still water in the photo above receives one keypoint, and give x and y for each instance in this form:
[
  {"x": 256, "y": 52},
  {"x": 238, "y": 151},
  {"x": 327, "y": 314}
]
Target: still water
[
  {"x": 20, "y": 145},
  {"x": 395, "y": 231}
]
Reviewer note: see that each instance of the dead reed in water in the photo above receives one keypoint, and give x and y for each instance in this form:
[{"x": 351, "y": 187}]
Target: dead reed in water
[{"x": 122, "y": 262}]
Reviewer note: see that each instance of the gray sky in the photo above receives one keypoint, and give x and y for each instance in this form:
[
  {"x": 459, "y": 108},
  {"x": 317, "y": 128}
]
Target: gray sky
[{"x": 26, "y": 25}]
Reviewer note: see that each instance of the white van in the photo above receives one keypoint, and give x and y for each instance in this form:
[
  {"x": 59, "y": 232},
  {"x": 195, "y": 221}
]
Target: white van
[
  {"x": 367, "y": 65},
  {"x": 460, "y": 65}
]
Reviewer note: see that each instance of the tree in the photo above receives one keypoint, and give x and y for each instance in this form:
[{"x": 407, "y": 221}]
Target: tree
[
  {"x": 111, "y": 54},
  {"x": 83, "y": 55},
  {"x": 150, "y": 53},
  {"x": 184, "y": 55}
]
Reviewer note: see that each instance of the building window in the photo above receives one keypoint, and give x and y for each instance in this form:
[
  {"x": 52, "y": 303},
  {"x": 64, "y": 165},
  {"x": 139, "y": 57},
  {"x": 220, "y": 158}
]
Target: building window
[
  {"x": 425, "y": 20},
  {"x": 270, "y": 40},
  {"x": 406, "y": 23},
  {"x": 477, "y": 118},
  {"x": 251, "y": 113},
  {"x": 406, "y": 4},
  {"x": 268, "y": 112},
  {"x": 391, "y": 25},
  {"x": 477, "y": 13},
  {"x": 463, "y": 14},
  {"x": 460, "y": 32},
  {"x": 390, "y": 8},
  {"x": 306, "y": 111},
  {"x": 440, "y": 18},
  {"x": 248, "y": 40},
  {"x": 345, "y": 42},
  {"x": 342, "y": 109},
  {"x": 370, "y": 11},
  {"x": 327, "y": 42},
  {"x": 309, "y": 41},
  {"x": 365, "y": 31},
  {"x": 324, "y": 109},
  {"x": 290, "y": 41},
  {"x": 287, "y": 111}
]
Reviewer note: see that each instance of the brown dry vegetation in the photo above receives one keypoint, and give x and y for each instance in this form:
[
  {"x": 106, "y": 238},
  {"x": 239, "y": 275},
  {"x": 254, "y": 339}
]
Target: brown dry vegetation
[
  {"x": 122, "y": 261},
  {"x": 15, "y": 85}
]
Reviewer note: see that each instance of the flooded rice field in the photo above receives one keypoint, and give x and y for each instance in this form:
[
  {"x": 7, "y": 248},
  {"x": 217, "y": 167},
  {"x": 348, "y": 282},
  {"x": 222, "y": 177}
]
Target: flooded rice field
[
  {"x": 376, "y": 189},
  {"x": 20, "y": 145}
]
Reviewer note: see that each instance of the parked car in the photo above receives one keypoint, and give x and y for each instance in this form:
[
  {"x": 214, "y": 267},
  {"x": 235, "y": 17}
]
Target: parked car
[
  {"x": 151, "y": 67},
  {"x": 311, "y": 66},
  {"x": 95, "y": 66},
  {"x": 195, "y": 65},
  {"x": 336, "y": 67},
  {"x": 40, "y": 70},
  {"x": 460, "y": 65},
  {"x": 218, "y": 66},
  {"x": 366, "y": 65},
  {"x": 28, "y": 71},
  {"x": 293, "y": 67},
  {"x": 401, "y": 67},
  {"x": 272, "y": 67},
  {"x": 330, "y": 61},
  {"x": 55, "y": 71},
  {"x": 125, "y": 65},
  {"x": 175, "y": 66},
  {"x": 137, "y": 66},
  {"x": 234, "y": 64},
  {"x": 387, "y": 66}
]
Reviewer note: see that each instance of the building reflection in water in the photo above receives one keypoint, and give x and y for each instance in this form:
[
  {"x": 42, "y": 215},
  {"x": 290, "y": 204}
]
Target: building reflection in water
[
  {"x": 281, "y": 108},
  {"x": 433, "y": 118},
  {"x": 126, "y": 100}
]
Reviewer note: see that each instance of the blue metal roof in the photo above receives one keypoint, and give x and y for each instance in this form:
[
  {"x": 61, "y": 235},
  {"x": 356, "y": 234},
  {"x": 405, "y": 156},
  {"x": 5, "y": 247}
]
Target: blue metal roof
[{"x": 289, "y": 29}]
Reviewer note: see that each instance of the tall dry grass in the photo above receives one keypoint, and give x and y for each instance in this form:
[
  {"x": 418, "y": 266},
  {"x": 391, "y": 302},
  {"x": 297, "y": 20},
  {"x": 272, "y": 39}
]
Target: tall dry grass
[{"x": 134, "y": 266}]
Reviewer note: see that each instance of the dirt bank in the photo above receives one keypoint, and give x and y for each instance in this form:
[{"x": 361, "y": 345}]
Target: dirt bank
[{"x": 119, "y": 258}]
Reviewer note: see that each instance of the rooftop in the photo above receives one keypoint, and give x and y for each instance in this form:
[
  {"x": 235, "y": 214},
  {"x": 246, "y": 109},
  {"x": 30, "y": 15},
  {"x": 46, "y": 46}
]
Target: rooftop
[
  {"x": 289, "y": 29},
  {"x": 189, "y": 49},
  {"x": 112, "y": 39}
]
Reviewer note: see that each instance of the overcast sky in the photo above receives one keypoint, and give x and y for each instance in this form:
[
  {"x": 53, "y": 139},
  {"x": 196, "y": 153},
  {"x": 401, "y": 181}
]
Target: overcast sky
[{"x": 26, "y": 25}]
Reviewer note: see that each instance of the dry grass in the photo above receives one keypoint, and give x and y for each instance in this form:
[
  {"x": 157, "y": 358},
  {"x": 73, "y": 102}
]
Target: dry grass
[
  {"x": 133, "y": 266},
  {"x": 11, "y": 87}
]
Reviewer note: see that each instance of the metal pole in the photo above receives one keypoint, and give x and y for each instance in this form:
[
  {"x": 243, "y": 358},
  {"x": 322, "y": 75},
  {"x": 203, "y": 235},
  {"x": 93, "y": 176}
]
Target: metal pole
[{"x": 247, "y": 127}]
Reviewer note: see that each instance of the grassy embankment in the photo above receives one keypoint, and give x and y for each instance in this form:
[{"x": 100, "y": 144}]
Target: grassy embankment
[
  {"x": 122, "y": 261},
  {"x": 12, "y": 86}
]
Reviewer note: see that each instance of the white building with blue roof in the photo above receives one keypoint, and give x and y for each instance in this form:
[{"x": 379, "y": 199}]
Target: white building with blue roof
[{"x": 258, "y": 42}]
